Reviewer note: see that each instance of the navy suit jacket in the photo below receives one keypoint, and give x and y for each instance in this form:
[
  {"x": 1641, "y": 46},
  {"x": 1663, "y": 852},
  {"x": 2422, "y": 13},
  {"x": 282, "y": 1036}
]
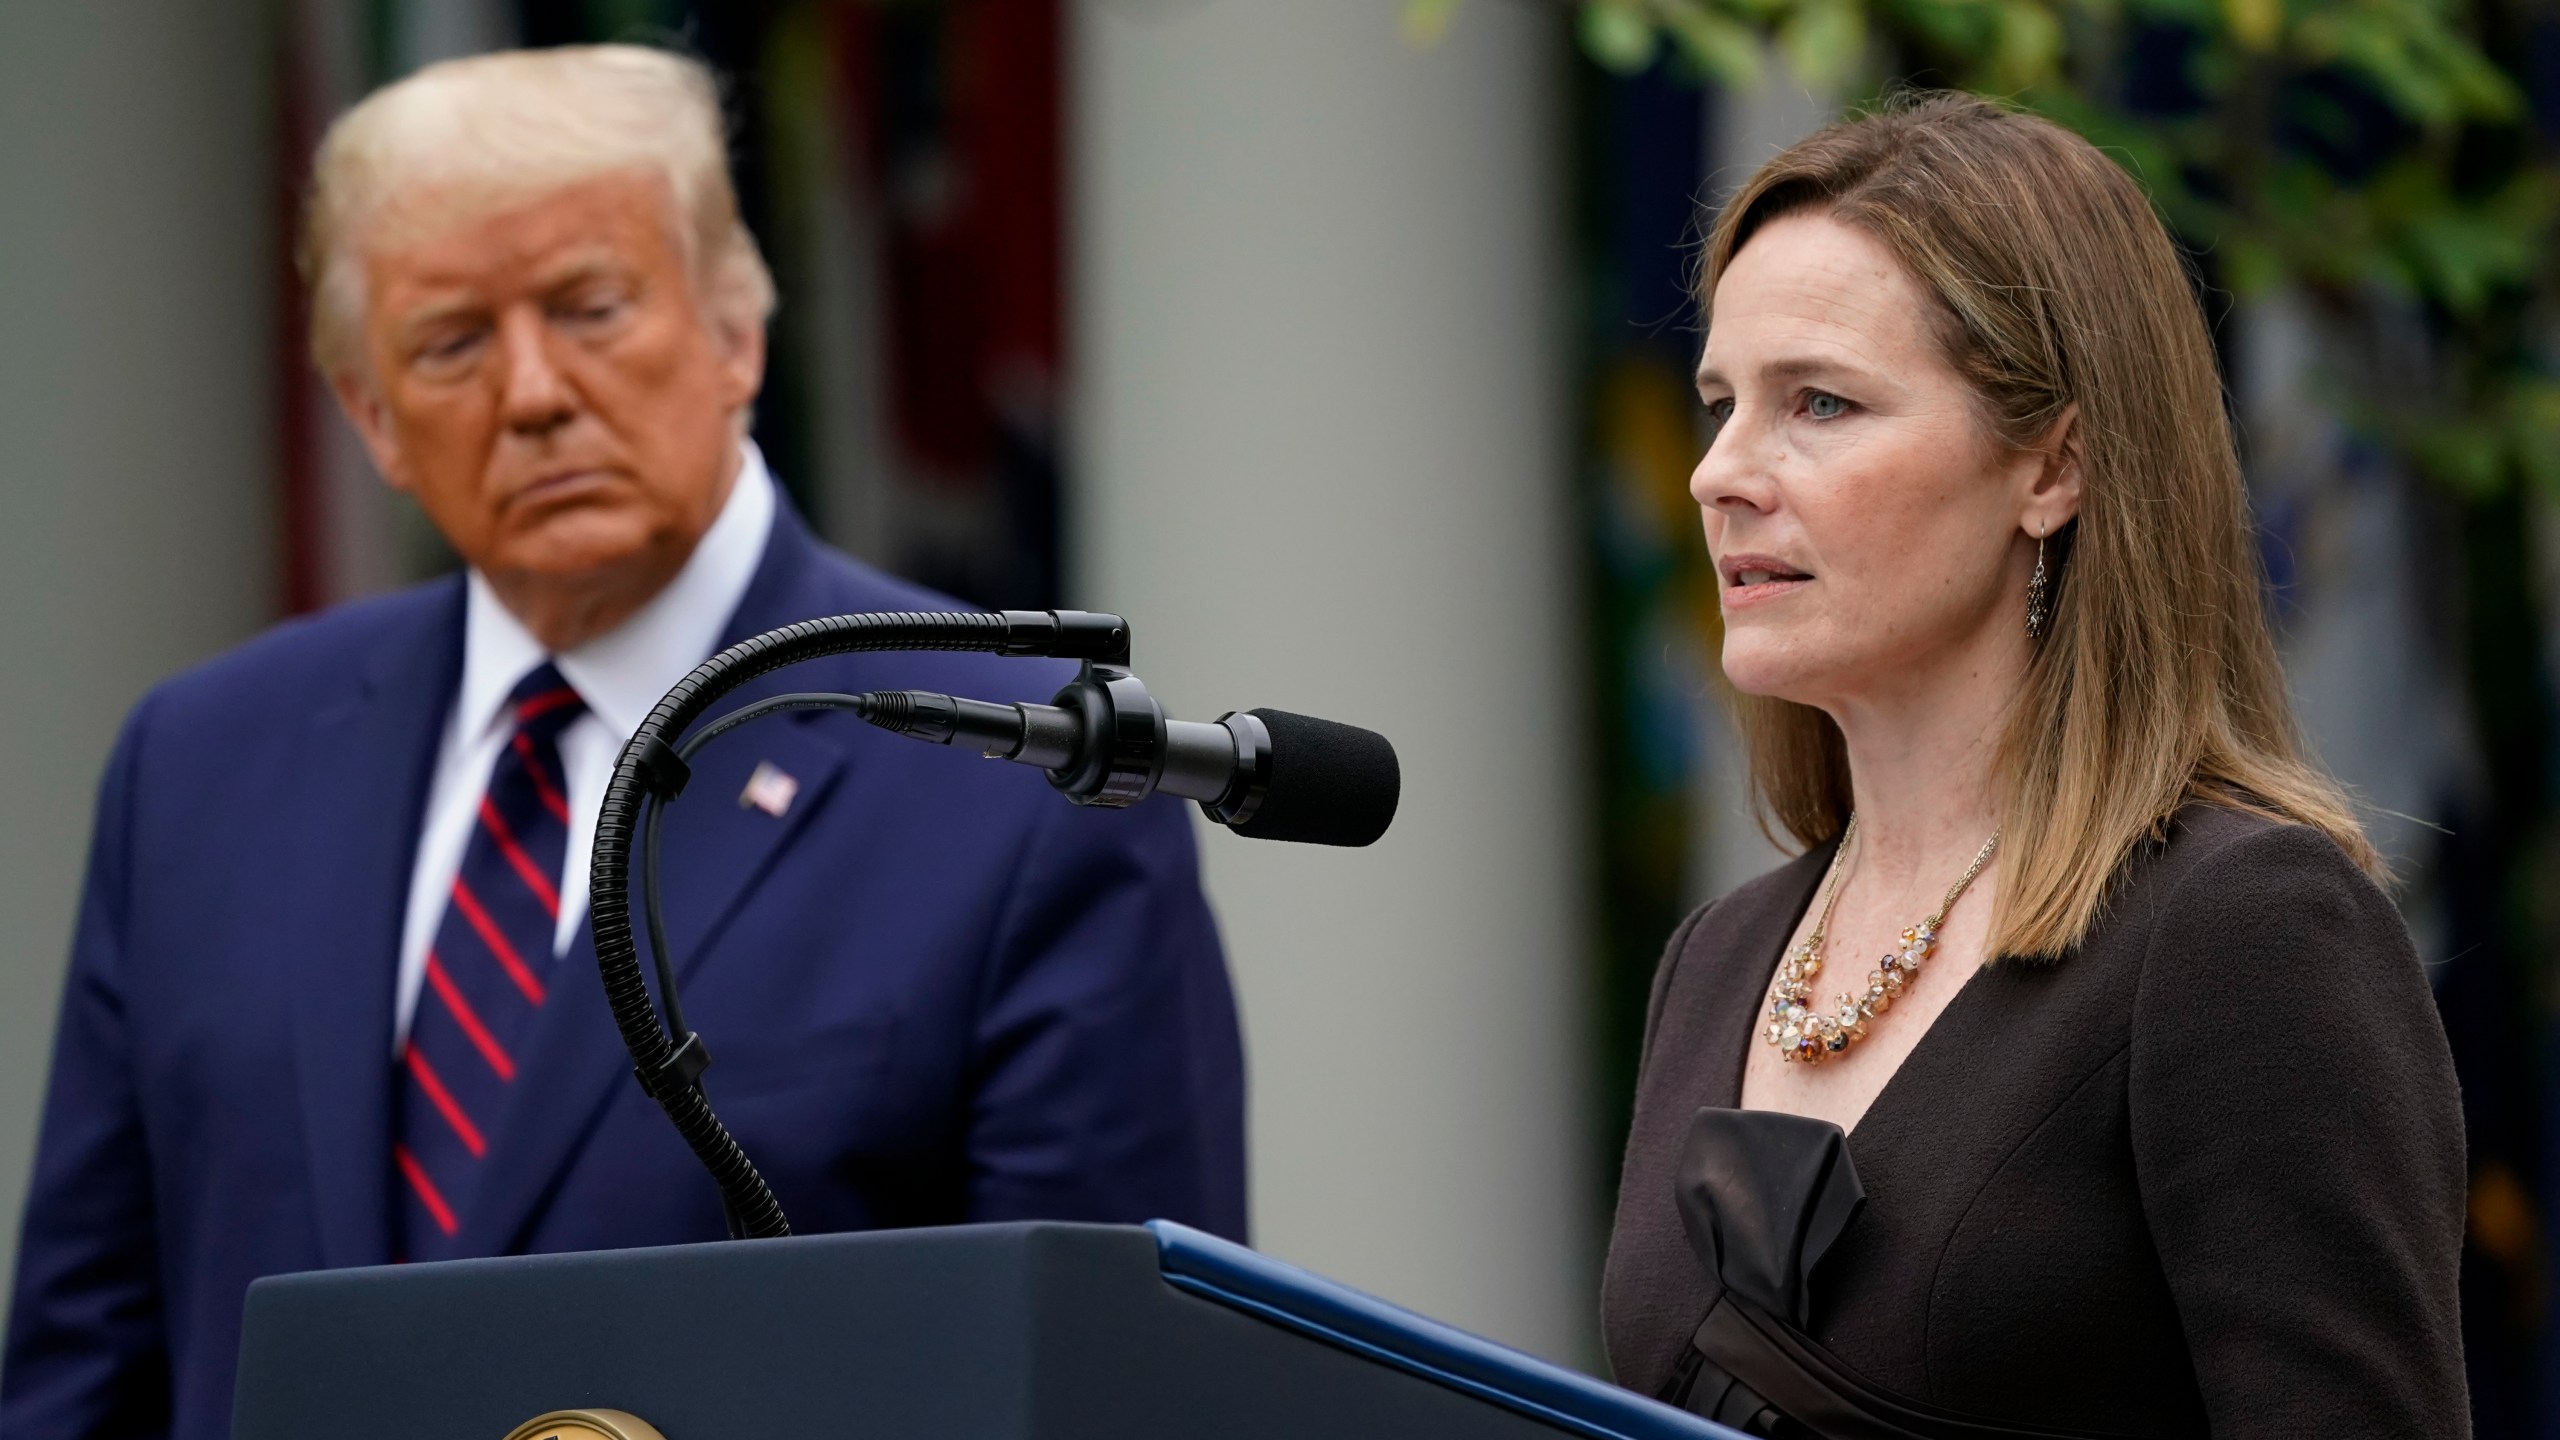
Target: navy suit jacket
[{"x": 935, "y": 992}]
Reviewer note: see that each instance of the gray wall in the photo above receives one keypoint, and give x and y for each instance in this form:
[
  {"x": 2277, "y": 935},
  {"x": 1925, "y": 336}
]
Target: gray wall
[
  {"x": 1320, "y": 291},
  {"x": 135, "y": 433}
]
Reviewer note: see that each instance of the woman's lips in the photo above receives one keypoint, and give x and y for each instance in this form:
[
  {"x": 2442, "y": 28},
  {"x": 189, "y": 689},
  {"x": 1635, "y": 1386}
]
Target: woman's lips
[
  {"x": 1755, "y": 579},
  {"x": 1738, "y": 597}
]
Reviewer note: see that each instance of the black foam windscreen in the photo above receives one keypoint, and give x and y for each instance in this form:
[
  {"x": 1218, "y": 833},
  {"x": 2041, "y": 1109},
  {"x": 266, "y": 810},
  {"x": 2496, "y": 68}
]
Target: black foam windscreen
[{"x": 1331, "y": 784}]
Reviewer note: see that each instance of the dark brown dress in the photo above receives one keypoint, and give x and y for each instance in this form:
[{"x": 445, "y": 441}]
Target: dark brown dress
[{"x": 2202, "y": 1176}]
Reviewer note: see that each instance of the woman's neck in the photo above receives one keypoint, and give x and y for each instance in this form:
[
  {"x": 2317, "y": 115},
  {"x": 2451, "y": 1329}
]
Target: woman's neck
[{"x": 1921, "y": 762}]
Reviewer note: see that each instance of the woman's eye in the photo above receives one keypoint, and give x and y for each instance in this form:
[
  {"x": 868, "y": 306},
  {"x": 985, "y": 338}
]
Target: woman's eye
[
  {"x": 1718, "y": 412},
  {"x": 1823, "y": 406}
]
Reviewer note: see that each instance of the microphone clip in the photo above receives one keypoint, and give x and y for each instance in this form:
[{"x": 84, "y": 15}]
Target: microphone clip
[
  {"x": 682, "y": 1070},
  {"x": 1129, "y": 744},
  {"x": 1122, "y": 756}
]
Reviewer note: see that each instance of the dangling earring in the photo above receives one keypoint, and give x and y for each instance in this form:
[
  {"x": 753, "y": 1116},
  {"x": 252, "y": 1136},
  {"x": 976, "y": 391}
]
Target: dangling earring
[{"x": 2037, "y": 611}]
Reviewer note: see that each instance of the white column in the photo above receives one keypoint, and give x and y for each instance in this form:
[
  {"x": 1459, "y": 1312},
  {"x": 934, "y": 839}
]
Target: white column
[
  {"x": 136, "y": 487},
  {"x": 1322, "y": 381}
]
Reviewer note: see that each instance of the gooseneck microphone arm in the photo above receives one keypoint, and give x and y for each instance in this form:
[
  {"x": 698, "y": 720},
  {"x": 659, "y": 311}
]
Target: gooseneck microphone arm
[
  {"x": 670, "y": 1065},
  {"x": 1104, "y": 741}
]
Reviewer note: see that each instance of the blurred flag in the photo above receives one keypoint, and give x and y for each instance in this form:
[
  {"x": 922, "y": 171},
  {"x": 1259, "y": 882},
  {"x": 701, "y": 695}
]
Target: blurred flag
[
  {"x": 336, "y": 532},
  {"x": 916, "y": 167}
]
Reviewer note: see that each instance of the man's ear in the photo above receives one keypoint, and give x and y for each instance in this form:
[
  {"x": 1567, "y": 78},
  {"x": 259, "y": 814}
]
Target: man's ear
[
  {"x": 364, "y": 410},
  {"x": 2053, "y": 499},
  {"x": 741, "y": 340}
]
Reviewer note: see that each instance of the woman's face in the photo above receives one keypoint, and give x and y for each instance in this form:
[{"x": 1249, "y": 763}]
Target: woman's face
[{"x": 1865, "y": 526}]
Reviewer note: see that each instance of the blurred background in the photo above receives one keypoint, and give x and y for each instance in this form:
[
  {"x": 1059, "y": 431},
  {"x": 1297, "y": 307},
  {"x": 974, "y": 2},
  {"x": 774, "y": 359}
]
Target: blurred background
[{"x": 1343, "y": 345}]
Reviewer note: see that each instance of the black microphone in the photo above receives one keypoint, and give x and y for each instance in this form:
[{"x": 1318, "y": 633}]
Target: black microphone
[
  {"x": 1267, "y": 774},
  {"x": 1103, "y": 741}
]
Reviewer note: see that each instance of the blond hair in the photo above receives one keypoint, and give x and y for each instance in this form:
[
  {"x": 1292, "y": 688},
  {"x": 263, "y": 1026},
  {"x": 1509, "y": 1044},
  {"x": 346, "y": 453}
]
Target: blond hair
[
  {"x": 2155, "y": 684},
  {"x": 475, "y": 135}
]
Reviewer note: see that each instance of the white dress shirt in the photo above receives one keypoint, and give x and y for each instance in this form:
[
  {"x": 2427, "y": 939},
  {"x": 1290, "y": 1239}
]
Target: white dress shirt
[{"x": 621, "y": 674}]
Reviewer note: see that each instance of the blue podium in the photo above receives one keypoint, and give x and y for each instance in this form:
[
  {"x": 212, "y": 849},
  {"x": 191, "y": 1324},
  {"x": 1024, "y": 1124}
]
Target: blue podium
[{"x": 998, "y": 1332}]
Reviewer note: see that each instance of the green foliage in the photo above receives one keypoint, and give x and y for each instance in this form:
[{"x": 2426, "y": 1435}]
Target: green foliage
[{"x": 2445, "y": 221}]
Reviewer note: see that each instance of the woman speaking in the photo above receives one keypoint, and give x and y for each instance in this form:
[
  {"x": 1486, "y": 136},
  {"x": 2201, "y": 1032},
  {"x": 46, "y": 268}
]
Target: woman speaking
[{"x": 2077, "y": 1079}]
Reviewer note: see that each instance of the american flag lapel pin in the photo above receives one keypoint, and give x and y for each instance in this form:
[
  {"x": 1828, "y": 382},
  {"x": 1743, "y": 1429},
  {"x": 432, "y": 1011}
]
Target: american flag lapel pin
[{"x": 770, "y": 789}]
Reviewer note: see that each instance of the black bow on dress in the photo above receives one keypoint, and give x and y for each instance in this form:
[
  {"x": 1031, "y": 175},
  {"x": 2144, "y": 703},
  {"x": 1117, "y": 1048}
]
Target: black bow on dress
[{"x": 1763, "y": 1196}]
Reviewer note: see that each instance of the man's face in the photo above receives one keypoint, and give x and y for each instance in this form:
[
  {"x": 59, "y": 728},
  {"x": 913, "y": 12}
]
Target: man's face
[{"x": 547, "y": 383}]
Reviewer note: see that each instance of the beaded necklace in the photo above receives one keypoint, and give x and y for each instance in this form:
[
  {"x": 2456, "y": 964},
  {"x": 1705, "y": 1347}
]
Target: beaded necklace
[{"x": 1802, "y": 1033}]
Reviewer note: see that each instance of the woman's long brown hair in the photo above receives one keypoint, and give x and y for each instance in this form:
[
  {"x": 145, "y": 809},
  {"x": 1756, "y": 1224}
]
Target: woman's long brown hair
[{"x": 2156, "y": 683}]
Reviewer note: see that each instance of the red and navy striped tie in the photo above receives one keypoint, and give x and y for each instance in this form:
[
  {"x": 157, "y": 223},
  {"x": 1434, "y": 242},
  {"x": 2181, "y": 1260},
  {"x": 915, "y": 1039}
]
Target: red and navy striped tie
[{"x": 487, "y": 972}]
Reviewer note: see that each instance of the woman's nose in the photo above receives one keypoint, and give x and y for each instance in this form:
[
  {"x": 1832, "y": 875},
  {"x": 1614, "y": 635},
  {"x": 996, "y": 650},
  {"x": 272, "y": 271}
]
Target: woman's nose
[{"x": 1735, "y": 471}]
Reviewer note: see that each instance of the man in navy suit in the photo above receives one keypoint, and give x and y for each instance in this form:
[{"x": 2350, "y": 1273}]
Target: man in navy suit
[{"x": 333, "y": 999}]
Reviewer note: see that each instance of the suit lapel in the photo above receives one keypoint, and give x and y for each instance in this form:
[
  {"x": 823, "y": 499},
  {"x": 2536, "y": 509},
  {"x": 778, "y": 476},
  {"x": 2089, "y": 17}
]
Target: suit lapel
[
  {"x": 717, "y": 849},
  {"x": 717, "y": 844},
  {"x": 367, "y": 764}
]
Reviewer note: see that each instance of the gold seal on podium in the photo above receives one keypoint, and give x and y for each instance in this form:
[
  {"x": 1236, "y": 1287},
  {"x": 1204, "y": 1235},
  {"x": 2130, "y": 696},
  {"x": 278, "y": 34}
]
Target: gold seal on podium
[{"x": 586, "y": 1425}]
